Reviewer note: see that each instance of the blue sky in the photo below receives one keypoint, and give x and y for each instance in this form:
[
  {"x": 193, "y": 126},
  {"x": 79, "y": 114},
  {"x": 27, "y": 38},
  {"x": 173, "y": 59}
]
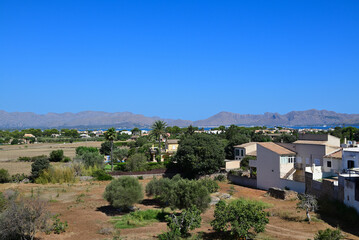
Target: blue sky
[{"x": 179, "y": 59}]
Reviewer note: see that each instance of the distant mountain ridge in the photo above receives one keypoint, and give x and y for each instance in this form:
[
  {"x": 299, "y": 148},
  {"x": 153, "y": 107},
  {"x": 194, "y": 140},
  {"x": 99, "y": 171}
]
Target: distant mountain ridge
[{"x": 98, "y": 119}]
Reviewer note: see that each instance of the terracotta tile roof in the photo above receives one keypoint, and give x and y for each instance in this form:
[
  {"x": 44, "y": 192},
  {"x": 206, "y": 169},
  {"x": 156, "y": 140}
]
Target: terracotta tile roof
[
  {"x": 336, "y": 154},
  {"x": 276, "y": 148}
]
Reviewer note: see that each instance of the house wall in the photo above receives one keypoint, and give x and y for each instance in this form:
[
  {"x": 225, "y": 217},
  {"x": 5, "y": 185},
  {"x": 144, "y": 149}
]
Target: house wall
[
  {"x": 267, "y": 168},
  {"x": 350, "y": 155},
  {"x": 232, "y": 164},
  {"x": 333, "y": 141},
  {"x": 349, "y": 194},
  {"x": 243, "y": 181},
  {"x": 309, "y": 152},
  {"x": 292, "y": 185},
  {"x": 327, "y": 188},
  {"x": 336, "y": 165},
  {"x": 285, "y": 168}
]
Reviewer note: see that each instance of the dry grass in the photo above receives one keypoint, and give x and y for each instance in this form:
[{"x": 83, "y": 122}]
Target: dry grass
[{"x": 13, "y": 152}]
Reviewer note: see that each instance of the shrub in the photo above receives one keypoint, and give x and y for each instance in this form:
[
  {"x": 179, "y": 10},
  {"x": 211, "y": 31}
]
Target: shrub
[
  {"x": 4, "y": 176},
  {"x": 41, "y": 163},
  {"x": 23, "y": 218},
  {"x": 136, "y": 162},
  {"x": 106, "y": 148},
  {"x": 211, "y": 185},
  {"x": 90, "y": 159},
  {"x": 120, "y": 167},
  {"x": 24, "y": 159},
  {"x": 179, "y": 193},
  {"x": 58, "y": 226},
  {"x": 56, "y": 156},
  {"x": 56, "y": 175},
  {"x": 243, "y": 218},
  {"x": 139, "y": 218},
  {"x": 66, "y": 159},
  {"x": 220, "y": 178},
  {"x": 2, "y": 202},
  {"x": 101, "y": 175},
  {"x": 15, "y": 141},
  {"x": 18, "y": 177},
  {"x": 82, "y": 149},
  {"x": 329, "y": 234},
  {"x": 180, "y": 224},
  {"x": 123, "y": 192}
]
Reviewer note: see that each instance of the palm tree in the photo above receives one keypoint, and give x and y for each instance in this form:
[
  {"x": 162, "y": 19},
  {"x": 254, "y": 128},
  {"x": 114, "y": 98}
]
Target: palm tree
[
  {"x": 159, "y": 129},
  {"x": 110, "y": 135}
]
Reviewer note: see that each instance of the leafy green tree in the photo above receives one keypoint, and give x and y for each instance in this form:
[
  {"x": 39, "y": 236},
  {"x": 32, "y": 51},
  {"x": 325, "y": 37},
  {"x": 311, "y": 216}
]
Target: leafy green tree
[
  {"x": 120, "y": 153},
  {"x": 158, "y": 130},
  {"x": 136, "y": 162},
  {"x": 82, "y": 149},
  {"x": 200, "y": 154},
  {"x": 136, "y": 131},
  {"x": 243, "y": 218},
  {"x": 179, "y": 193},
  {"x": 309, "y": 203},
  {"x": 123, "y": 192},
  {"x": 40, "y": 164},
  {"x": 90, "y": 159},
  {"x": 56, "y": 156},
  {"x": 236, "y": 139},
  {"x": 180, "y": 224},
  {"x": 329, "y": 234},
  {"x": 49, "y": 132},
  {"x": 105, "y": 148},
  {"x": 190, "y": 130}
]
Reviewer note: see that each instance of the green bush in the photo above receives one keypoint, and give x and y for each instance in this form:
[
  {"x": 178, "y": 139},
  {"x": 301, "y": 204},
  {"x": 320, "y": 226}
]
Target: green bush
[
  {"x": 179, "y": 193},
  {"x": 66, "y": 159},
  {"x": 58, "y": 226},
  {"x": 181, "y": 223},
  {"x": 24, "y": 159},
  {"x": 18, "y": 177},
  {"x": 82, "y": 149},
  {"x": 123, "y": 192},
  {"x": 136, "y": 162},
  {"x": 211, "y": 185},
  {"x": 4, "y": 176},
  {"x": 2, "y": 202},
  {"x": 120, "y": 167},
  {"x": 241, "y": 217},
  {"x": 101, "y": 175},
  {"x": 56, "y": 175},
  {"x": 220, "y": 178},
  {"x": 40, "y": 164},
  {"x": 91, "y": 159},
  {"x": 329, "y": 234},
  {"x": 139, "y": 218},
  {"x": 56, "y": 156}
]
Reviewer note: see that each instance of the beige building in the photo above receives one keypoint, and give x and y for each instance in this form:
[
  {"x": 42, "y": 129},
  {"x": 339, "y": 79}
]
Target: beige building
[
  {"x": 172, "y": 145},
  {"x": 246, "y": 149}
]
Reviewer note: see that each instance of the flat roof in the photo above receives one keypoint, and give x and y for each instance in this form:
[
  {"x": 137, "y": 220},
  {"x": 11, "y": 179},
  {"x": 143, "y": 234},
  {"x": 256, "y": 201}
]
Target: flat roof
[
  {"x": 276, "y": 148},
  {"x": 245, "y": 145},
  {"x": 352, "y": 149}
]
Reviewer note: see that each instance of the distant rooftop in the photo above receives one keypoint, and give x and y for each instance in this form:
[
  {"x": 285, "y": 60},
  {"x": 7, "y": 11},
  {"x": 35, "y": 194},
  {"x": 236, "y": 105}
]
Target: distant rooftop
[
  {"x": 335, "y": 154},
  {"x": 245, "y": 145}
]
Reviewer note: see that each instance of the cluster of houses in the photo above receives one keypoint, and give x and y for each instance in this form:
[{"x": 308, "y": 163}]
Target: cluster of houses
[{"x": 316, "y": 163}]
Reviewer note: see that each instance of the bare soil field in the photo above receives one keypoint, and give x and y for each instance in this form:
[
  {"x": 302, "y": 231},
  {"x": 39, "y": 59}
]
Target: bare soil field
[
  {"x": 13, "y": 152},
  {"x": 87, "y": 213}
]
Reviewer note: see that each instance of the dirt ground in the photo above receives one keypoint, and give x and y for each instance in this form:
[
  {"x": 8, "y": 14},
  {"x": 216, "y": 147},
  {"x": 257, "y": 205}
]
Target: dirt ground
[
  {"x": 13, "y": 152},
  {"x": 10, "y": 153},
  {"x": 87, "y": 214}
]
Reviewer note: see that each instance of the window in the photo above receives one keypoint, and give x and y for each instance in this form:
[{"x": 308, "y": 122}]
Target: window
[
  {"x": 242, "y": 152},
  {"x": 236, "y": 152},
  {"x": 287, "y": 159},
  {"x": 329, "y": 164},
  {"x": 350, "y": 164}
]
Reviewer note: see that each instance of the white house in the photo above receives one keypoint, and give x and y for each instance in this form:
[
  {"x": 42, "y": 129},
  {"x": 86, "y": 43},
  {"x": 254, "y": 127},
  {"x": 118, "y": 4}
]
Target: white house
[{"x": 350, "y": 158}]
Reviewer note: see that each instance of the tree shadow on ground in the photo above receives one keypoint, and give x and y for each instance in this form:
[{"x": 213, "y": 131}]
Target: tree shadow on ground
[
  {"x": 111, "y": 211},
  {"x": 152, "y": 202}
]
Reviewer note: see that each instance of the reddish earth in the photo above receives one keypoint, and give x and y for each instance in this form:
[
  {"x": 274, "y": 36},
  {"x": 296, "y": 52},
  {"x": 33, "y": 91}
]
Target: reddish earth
[{"x": 83, "y": 207}]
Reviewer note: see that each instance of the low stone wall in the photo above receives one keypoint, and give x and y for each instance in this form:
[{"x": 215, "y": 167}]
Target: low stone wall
[
  {"x": 325, "y": 189},
  {"x": 282, "y": 194},
  {"x": 243, "y": 181}
]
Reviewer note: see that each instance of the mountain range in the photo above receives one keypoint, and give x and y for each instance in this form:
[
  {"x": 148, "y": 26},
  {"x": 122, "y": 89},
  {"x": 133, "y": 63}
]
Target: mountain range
[{"x": 97, "y": 119}]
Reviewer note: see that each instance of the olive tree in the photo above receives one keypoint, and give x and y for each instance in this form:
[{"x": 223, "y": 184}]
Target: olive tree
[
  {"x": 123, "y": 192},
  {"x": 309, "y": 203}
]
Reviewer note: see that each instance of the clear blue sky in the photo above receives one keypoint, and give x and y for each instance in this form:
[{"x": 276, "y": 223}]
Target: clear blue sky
[{"x": 179, "y": 59}]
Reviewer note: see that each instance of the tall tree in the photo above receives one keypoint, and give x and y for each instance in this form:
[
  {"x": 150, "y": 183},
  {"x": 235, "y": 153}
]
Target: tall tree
[
  {"x": 158, "y": 130},
  {"x": 110, "y": 136}
]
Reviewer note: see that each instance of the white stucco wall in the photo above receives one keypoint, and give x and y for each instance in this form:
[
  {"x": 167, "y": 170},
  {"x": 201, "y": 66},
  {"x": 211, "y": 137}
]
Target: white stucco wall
[
  {"x": 349, "y": 195},
  {"x": 310, "y": 152},
  {"x": 350, "y": 154},
  {"x": 267, "y": 168}
]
